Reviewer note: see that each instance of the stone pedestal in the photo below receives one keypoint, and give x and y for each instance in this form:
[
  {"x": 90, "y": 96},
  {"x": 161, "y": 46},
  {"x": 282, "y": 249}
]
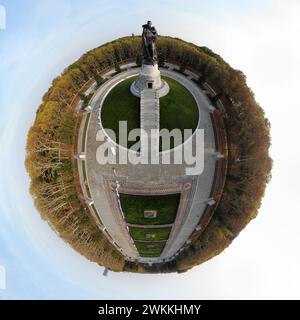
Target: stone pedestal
[{"x": 149, "y": 79}]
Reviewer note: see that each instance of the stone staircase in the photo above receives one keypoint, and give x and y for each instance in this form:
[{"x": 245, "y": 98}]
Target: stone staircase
[{"x": 149, "y": 120}]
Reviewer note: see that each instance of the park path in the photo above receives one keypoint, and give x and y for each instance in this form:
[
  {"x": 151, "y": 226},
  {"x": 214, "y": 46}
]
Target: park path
[{"x": 149, "y": 120}]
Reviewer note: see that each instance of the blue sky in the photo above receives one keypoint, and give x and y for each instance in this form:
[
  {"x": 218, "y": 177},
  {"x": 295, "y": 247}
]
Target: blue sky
[{"x": 42, "y": 37}]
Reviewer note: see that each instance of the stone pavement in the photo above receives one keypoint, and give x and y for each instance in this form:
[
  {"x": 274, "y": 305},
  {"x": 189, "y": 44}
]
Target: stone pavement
[{"x": 149, "y": 120}]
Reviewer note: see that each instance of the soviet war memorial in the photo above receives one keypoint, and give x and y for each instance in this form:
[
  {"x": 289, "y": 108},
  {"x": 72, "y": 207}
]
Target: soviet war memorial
[{"x": 149, "y": 154}]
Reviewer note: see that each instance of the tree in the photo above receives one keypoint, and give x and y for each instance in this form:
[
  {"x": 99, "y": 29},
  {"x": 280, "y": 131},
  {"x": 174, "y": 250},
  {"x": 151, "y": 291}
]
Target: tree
[
  {"x": 139, "y": 59},
  {"x": 99, "y": 80},
  {"x": 161, "y": 60},
  {"x": 182, "y": 66},
  {"x": 117, "y": 67}
]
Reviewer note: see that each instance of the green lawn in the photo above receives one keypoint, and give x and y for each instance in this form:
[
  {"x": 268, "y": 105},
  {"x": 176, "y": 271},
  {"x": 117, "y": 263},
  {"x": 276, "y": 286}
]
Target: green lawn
[
  {"x": 141, "y": 233},
  {"x": 83, "y": 166},
  {"x": 166, "y": 206},
  {"x": 83, "y": 169},
  {"x": 144, "y": 245},
  {"x": 120, "y": 104},
  {"x": 84, "y": 131},
  {"x": 153, "y": 251},
  {"x": 178, "y": 109}
]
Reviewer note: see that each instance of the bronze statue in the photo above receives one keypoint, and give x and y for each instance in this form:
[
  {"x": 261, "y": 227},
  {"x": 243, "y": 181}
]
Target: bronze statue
[{"x": 149, "y": 37}]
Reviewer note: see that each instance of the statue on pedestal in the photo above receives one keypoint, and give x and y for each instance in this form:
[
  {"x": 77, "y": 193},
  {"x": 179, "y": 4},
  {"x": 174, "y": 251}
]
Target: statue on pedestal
[
  {"x": 149, "y": 77},
  {"x": 149, "y": 37}
]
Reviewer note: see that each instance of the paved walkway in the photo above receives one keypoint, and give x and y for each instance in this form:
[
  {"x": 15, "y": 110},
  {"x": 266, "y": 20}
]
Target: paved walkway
[
  {"x": 150, "y": 120},
  {"x": 102, "y": 178}
]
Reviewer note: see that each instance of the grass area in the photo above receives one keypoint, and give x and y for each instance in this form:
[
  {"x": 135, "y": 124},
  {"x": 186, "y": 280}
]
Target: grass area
[
  {"x": 134, "y": 206},
  {"x": 150, "y": 249},
  {"x": 83, "y": 169},
  {"x": 83, "y": 166},
  {"x": 87, "y": 119},
  {"x": 156, "y": 252},
  {"x": 150, "y": 254},
  {"x": 144, "y": 233},
  {"x": 178, "y": 109},
  {"x": 120, "y": 104}
]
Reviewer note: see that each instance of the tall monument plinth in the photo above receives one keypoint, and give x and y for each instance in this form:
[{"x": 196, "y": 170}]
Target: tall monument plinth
[{"x": 149, "y": 77}]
